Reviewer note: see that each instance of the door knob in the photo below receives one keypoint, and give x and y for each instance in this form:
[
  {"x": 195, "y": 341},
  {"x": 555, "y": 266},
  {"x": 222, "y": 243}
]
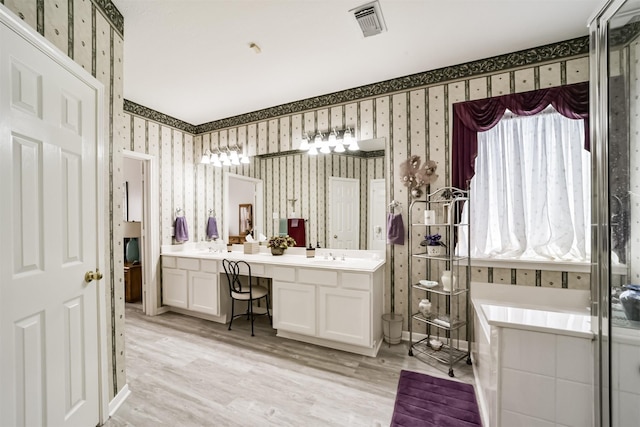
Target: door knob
[{"x": 90, "y": 275}]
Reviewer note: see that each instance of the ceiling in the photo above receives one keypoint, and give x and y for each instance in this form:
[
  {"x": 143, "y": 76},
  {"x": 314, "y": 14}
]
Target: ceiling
[{"x": 191, "y": 59}]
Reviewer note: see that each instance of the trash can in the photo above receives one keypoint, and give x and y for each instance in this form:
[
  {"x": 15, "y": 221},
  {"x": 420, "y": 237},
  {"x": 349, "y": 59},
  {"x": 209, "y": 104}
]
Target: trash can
[{"x": 392, "y": 328}]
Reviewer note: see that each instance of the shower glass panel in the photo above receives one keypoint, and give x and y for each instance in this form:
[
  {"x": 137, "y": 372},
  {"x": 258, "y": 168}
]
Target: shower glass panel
[{"x": 615, "y": 147}]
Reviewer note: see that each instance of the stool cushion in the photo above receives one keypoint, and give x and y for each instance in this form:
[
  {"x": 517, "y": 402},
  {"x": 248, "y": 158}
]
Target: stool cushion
[{"x": 256, "y": 291}]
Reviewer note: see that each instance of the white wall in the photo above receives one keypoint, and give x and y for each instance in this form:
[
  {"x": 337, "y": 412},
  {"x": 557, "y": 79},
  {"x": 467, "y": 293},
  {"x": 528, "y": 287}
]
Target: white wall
[{"x": 133, "y": 176}]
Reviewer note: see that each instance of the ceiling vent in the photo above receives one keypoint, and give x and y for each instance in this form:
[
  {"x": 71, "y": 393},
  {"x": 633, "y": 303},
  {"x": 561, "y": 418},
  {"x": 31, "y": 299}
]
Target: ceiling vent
[{"x": 369, "y": 17}]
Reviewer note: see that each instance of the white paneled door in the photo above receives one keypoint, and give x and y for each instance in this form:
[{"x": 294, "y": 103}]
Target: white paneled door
[
  {"x": 49, "y": 134},
  {"x": 344, "y": 232}
]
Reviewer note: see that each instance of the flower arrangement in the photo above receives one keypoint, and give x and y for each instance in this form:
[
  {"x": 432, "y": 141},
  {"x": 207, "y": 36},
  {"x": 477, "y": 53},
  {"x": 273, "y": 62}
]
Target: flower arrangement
[
  {"x": 415, "y": 176},
  {"x": 282, "y": 242},
  {"x": 432, "y": 240}
]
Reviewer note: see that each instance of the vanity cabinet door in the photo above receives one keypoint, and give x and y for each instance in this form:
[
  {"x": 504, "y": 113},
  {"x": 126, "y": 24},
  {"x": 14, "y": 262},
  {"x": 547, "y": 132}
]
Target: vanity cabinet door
[
  {"x": 203, "y": 292},
  {"x": 174, "y": 287},
  {"x": 294, "y": 307},
  {"x": 344, "y": 315}
]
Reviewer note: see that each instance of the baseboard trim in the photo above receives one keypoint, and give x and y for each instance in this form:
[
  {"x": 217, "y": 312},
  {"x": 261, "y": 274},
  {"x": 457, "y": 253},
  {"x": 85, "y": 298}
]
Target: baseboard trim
[{"x": 119, "y": 399}]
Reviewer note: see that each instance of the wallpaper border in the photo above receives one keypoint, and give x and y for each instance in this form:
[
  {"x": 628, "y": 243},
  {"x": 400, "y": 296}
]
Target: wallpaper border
[
  {"x": 112, "y": 13},
  {"x": 550, "y": 52},
  {"x": 151, "y": 114}
]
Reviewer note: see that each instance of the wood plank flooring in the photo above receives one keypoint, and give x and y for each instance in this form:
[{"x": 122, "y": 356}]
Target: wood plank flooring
[{"x": 184, "y": 371}]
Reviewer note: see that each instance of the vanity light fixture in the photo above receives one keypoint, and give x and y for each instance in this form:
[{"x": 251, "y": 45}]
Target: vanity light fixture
[
  {"x": 222, "y": 158},
  {"x": 337, "y": 139}
]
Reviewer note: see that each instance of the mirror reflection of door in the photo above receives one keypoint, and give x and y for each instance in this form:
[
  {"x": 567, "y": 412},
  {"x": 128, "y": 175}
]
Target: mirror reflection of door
[
  {"x": 344, "y": 231},
  {"x": 245, "y": 214}
]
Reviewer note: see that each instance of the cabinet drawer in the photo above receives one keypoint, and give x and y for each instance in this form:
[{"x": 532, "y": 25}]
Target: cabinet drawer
[
  {"x": 256, "y": 269},
  {"x": 169, "y": 261},
  {"x": 284, "y": 273},
  {"x": 357, "y": 281},
  {"x": 209, "y": 265},
  {"x": 318, "y": 277},
  {"x": 188, "y": 264}
]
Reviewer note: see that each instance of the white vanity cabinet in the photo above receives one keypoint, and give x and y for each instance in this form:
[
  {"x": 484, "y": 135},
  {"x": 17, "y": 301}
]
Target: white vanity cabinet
[
  {"x": 345, "y": 315},
  {"x": 328, "y": 307},
  {"x": 191, "y": 284},
  {"x": 333, "y": 303},
  {"x": 174, "y": 287},
  {"x": 294, "y": 307}
]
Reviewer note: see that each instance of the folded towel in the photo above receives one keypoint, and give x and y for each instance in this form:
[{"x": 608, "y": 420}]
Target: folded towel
[
  {"x": 296, "y": 230},
  {"x": 212, "y": 228},
  {"x": 395, "y": 229},
  {"x": 181, "y": 232}
]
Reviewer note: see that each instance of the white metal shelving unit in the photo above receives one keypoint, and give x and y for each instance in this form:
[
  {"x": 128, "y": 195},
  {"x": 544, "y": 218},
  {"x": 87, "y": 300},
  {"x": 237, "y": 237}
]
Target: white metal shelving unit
[{"x": 449, "y": 317}]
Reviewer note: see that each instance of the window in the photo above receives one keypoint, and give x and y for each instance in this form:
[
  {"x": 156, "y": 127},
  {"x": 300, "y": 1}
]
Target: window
[{"x": 530, "y": 195}]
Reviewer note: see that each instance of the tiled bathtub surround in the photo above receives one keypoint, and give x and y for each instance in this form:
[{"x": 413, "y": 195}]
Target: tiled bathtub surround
[{"x": 533, "y": 363}]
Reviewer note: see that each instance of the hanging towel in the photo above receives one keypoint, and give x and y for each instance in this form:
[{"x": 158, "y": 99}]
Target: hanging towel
[
  {"x": 295, "y": 229},
  {"x": 181, "y": 232},
  {"x": 395, "y": 229},
  {"x": 282, "y": 227},
  {"x": 212, "y": 228}
]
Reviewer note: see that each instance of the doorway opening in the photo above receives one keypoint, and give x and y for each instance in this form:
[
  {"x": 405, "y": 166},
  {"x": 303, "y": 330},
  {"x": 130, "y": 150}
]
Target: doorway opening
[{"x": 141, "y": 231}]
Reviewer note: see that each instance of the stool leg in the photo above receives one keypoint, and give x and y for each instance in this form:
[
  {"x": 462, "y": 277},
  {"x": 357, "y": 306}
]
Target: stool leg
[
  {"x": 251, "y": 314},
  {"x": 232, "y": 307}
]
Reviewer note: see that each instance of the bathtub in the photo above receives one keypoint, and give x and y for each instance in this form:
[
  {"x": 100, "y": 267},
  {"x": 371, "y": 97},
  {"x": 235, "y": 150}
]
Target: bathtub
[{"x": 532, "y": 355}]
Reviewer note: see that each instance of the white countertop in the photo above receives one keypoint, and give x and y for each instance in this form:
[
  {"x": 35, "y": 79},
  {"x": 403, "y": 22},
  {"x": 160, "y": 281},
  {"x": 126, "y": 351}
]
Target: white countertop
[
  {"x": 365, "y": 264},
  {"x": 535, "y": 319}
]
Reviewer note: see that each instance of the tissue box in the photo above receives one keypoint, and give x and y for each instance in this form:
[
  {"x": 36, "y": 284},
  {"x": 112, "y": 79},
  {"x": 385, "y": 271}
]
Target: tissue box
[{"x": 251, "y": 247}]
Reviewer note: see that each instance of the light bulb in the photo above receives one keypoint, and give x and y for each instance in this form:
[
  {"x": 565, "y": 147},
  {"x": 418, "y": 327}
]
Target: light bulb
[
  {"x": 217, "y": 163},
  {"x": 324, "y": 148},
  {"x": 339, "y": 147},
  {"x": 233, "y": 155},
  {"x": 313, "y": 150},
  {"x": 214, "y": 158},
  {"x": 205, "y": 159},
  {"x": 350, "y": 141},
  {"x": 304, "y": 143},
  {"x": 333, "y": 138},
  {"x": 245, "y": 160}
]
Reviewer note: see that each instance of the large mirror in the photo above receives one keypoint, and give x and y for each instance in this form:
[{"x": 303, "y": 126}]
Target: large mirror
[{"x": 338, "y": 199}]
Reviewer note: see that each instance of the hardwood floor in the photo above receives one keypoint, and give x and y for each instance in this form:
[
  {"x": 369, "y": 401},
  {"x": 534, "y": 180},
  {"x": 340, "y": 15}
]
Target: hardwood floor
[{"x": 184, "y": 371}]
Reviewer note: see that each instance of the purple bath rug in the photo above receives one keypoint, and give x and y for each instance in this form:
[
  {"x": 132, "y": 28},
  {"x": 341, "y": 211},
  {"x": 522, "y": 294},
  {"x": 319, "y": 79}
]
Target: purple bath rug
[{"x": 423, "y": 400}]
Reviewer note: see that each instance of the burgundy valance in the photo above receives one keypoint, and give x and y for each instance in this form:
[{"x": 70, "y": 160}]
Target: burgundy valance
[{"x": 471, "y": 117}]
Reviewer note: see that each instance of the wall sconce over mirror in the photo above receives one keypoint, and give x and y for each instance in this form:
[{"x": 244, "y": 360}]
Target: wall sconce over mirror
[
  {"x": 228, "y": 157},
  {"x": 336, "y": 140}
]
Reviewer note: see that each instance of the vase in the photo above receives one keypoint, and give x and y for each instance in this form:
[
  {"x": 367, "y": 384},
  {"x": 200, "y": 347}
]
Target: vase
[
  {"x": 425, "y": 308},
  {"x": 434, "y": 250},
  {"x": 448, "y": 280},
  {"x": 277, "y": 251},
  {"x": 132, "y": 252},
  {"x": 630, "y": 300}
]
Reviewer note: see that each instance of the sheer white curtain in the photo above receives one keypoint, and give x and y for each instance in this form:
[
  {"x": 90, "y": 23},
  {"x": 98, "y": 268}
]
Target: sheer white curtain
[{"x": 530, "y": 196}]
